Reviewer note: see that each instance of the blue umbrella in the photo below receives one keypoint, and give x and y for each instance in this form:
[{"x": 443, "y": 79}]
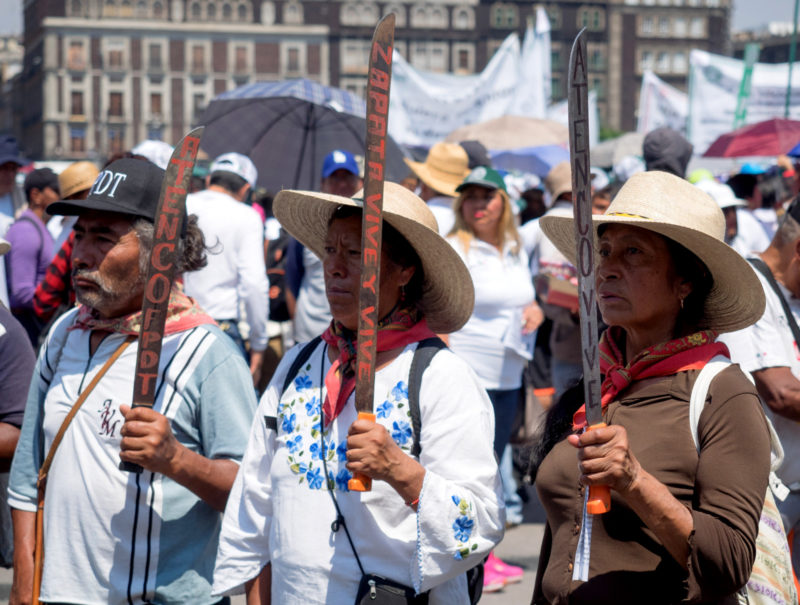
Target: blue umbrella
[
  {"x": 533, "y": 160},
  {"x": 287, "y": 128}
]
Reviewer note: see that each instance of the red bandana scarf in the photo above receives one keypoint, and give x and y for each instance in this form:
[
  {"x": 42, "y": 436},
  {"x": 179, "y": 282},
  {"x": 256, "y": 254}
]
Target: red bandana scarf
[
  {"x": 691, "y": 352},
  {"x": 183, "y": 314},
  {"x": 398, "y": 329}
]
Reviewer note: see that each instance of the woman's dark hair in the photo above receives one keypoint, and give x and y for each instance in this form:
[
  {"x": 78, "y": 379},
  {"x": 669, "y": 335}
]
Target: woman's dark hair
[
  {"x": 688, "y": 266},
  {"x": 227, "y": 180},
  {"x": 398, "y": 251}
]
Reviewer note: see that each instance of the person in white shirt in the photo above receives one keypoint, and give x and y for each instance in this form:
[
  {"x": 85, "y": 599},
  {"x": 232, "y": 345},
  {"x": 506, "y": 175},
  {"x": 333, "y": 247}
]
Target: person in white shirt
[
  {"x": 235, "y": 274},
  {"x": 729, "y": 204},
  {"x": 446, "y": 165}
]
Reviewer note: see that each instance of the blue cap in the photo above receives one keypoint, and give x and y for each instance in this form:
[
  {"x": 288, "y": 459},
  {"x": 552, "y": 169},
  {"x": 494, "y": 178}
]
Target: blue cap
[
  {"x": 750, "y": 168},
  {"x": 339, "y": 159}
]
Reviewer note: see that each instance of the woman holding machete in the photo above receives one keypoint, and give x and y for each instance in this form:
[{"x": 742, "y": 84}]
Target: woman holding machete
[
  {"x": 431, "y": 515},
  {"x": 684, "y": 518}
]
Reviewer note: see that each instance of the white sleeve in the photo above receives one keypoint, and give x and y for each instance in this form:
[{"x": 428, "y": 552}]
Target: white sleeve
[
  {"x": 461, "y": 514},
  {"x": 253, "y": 284},
  {"x": 244, "y": 540}
]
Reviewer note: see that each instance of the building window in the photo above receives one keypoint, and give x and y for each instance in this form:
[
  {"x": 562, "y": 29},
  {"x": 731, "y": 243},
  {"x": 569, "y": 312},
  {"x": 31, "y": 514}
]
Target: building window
[
  {"x": 293, "y": 60},
  {"x": 115, "y": 104},
  {"x": 679, "y": 64},
  {"x": 555, "y": 59},
  {"x": 355, "y": 56},
  {"x": 504, "y": 16},
  {"x": 647, "y": 25},
  {"x": 463, "y": 59},
  {"x": 592, "y": 19},
  {"x": 76, "y": 57},
  {"x": 462, "y": 19},
  {"x": 293, "y": 13},
  {"x": 141, "y": 9},
  {"x": 76, "y": 103},
  {"x": 438, "y": 18},
  {"x": 646, "y": 60},
  {"x": 227, "y": 12},
  {"x": 155, "y": 105},
  {"x": 663, "y": 26},
  {"x": 243, "y": 13},
  {"x": 77, "y": 140},
  {"x": 596, "y": 58},
  {"x": 554, "y": 15},
  {"x": 116, "y": 140},
  {"x": 198, "y": 58},
  {"x": 155, "y": 61},
  {"x": 196, "y": 11},
  {"x": 115, "y": 57},
  {"x": 75, "y": 8},
  {"x": 198, "y": 104},
  {"x": 158, "y": 10},
  {"x": 211, "y": 11},
  {"x": 556, "y": 88},
  {"x": 698, "y": 27},
  {"x": 663, "y": 64},
  {"x": 596, "y": 85},
  {"x": 679, "y": 26},
  {"x": 419, "y": 17},
  {"x": 240, "y": 59}
]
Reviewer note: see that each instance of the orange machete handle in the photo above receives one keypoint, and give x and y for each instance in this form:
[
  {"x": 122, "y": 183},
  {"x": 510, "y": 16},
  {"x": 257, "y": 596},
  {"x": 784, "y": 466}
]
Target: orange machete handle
[
  {"x": 599, "y": 501},
  {"x": 361, "y": 482}
]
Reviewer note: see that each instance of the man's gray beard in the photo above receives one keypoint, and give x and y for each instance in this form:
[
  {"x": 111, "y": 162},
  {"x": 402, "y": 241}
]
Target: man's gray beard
[{"x": 103, "y": 297}]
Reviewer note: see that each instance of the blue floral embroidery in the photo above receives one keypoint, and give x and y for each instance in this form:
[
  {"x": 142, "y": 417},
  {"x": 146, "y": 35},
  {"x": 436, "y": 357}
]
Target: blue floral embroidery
[
  {"x": 342, "y": 478},
  {"x": 294, "y": 443},
  {"x": 341, "y": 451},
  {"x": 302, "y": 382},
  {"x": 401, "y": 432},
  {"x": 400, "y": 390},
  {"x": 312, "y": 406},
  {"x": 384, "y": 409},
  {"x": 288, "y": 423},
  {"x": 462, "y": 528},
  {"x": 316, "y": 451},
  {"x": 314, "y": 478}
]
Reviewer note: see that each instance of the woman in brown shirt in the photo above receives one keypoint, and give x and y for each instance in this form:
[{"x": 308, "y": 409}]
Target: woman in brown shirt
[{"x": 682, "y": 525}]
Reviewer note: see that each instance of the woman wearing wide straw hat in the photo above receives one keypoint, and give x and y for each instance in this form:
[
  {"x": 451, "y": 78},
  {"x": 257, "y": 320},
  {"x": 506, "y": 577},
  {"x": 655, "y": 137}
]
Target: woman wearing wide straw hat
[
  {"x": 683, "y": 519},
  {"x": 497, "y": 340},
  {"x": 429, "y": 517}
]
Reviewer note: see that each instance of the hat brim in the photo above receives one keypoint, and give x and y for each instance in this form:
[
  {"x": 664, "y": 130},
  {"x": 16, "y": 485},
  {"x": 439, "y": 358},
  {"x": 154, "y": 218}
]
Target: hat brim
[
  {"x": 19, "y": 161},
  {"x": 438, "y": 182},
  {"x": 448, "y": 297},
  {"x": 77, "y": 207},
  {"x": 736, "y": 299}
]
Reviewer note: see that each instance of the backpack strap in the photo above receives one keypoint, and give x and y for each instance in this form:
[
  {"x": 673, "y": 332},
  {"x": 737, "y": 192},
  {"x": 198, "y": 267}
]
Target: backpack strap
[
  {"x": 423, "y": 355},
  {"x": 697, "y": 402},
  {"x": 767, "y": 273},
  {"x": 298, "y": 362}
]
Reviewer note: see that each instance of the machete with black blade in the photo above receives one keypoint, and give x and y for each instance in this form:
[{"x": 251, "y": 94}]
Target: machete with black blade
[
  {"x": 379, "y": 80},
  {"x": 168, "y": 225},
  {"x": 599, "y": 500}
]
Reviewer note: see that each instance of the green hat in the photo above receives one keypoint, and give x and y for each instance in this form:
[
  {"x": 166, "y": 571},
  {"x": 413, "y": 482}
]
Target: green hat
[{"x": 483, "y": 176}]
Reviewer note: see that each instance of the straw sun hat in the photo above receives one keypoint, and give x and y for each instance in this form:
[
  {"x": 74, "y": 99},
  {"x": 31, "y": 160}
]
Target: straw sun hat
[
  {"x": 446, "y": 165},
  {"x": 676, "y": 209},
  {"x": 447, "y": 293}
]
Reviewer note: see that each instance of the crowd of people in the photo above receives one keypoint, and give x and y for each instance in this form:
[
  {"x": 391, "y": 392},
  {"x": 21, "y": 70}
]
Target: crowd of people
[{"x": 249, "y": 448}]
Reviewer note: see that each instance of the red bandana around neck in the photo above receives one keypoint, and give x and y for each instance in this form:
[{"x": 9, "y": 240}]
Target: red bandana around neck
[
  {"x": 691, "y": 352},
  {"x": 400, "y": 328},
  {"x": 183, "y": 313}
]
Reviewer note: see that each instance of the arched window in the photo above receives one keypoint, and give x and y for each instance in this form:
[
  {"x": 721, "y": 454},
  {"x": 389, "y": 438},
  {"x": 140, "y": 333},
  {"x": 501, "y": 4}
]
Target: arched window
[
  {"x": 158, "y": 10},
  {"x": 462, "y": 19},
  {"x": 227, "y": 12},
  {"x": 438, "y": 17},
  {"x": 211, "y": 11},
  {"x": 419, "y": 17},
  {"x": 76, "y": 8},
  {"x": 243, "y": 13},
  {"x": 141, "y": 8},
  {"x": 195, "y": 11}
]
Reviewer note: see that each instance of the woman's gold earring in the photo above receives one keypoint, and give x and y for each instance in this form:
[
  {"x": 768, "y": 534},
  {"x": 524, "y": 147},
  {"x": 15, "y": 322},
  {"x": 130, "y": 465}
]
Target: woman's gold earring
[{"x": 681, "y": 303}]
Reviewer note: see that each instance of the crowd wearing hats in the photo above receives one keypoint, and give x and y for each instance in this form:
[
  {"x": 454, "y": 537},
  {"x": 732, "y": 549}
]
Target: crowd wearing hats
[{"x": 483, "y": 259}]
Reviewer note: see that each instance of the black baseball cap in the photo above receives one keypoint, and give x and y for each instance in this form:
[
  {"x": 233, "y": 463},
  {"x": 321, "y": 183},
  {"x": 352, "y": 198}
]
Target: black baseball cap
[{"x": 126, "y": 186}]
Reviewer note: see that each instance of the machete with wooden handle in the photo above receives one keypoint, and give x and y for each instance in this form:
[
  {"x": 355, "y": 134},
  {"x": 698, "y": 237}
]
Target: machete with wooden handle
[
  {"x": 380, "y": 78},
  {"x": 169, "y": 223},
  {"x": 578, "y": 106}
]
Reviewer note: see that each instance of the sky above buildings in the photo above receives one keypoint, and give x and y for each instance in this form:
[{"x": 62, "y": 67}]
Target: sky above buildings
[{"x": 747, "y": 14}]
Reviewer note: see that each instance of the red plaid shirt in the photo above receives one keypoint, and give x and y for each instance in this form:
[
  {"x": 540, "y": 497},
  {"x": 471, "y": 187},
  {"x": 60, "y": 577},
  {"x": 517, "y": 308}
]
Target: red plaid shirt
[{"x": 56, "y": 287}]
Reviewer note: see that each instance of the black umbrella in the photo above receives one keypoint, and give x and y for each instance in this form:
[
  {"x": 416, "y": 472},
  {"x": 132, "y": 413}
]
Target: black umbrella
[{"x": 287, "y": 128}]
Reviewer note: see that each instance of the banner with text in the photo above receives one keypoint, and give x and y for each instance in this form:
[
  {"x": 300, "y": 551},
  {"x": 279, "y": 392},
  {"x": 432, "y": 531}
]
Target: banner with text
[
  {"x": 714, "y": 90},
  {"x": 661, "y": 105}
]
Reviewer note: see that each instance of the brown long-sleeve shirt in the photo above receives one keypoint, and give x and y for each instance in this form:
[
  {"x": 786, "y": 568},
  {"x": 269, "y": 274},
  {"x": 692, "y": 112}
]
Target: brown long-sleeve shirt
[{"x": 723, "y": 486}]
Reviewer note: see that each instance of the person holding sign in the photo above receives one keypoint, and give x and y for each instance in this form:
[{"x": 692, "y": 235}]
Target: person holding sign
[
  {"x": 435, "y": 509},
  {"x": 684, "y": 518}
]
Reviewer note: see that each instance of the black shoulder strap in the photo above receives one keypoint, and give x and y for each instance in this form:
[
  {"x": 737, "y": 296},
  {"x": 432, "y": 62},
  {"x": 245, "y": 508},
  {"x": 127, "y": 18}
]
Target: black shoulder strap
[
  {"x": 422, "y": 358},
  {"x": 298, "y": 362},
  {"x": 765, "y": 271}
]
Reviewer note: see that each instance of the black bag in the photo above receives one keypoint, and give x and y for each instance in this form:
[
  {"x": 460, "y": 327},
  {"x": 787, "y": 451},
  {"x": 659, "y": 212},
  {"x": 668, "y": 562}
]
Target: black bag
[
  {"x": 376, "y": 590},
  {"x": 276, "y": 272}
]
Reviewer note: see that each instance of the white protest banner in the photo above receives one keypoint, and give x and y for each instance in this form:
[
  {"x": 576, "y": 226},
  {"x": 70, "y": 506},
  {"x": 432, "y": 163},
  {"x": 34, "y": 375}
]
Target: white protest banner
[
  {"x": 715, "y": 82},
  {"x": 535, "y": 74},
  {"x": 558, "y": 112},
  {"x": 426, "y": 107},
  {"x": 661, "y": 105}
]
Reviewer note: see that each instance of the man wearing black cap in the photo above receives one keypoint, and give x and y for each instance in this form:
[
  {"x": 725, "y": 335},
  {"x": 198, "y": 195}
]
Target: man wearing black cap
[
  {"x": 31, "y": 248},
  {"x": 12, "y": 199},
  {"x": 111, "y": 536}
]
